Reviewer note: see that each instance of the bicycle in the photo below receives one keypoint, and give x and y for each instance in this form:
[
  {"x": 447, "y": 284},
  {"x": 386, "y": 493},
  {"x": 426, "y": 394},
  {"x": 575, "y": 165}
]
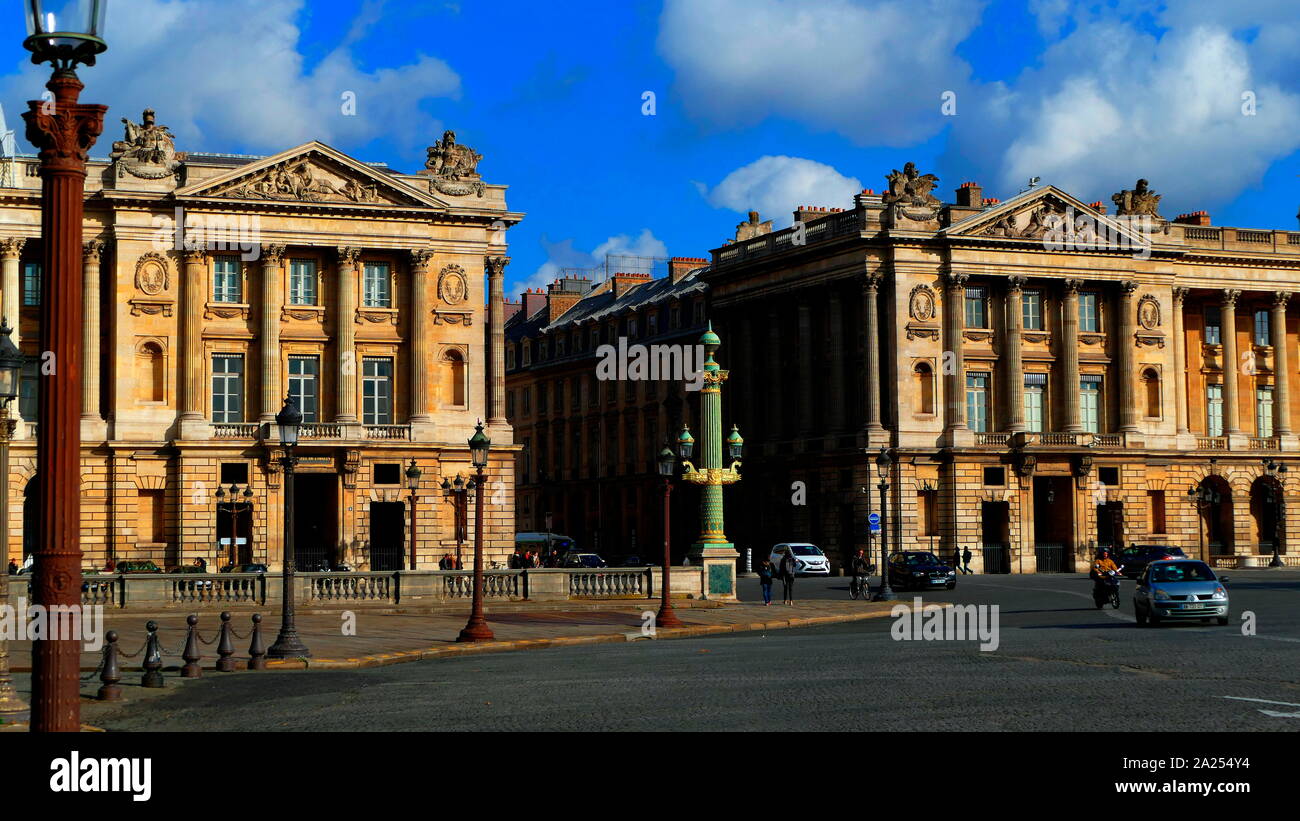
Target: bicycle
[{"x": 858, "y": 588}]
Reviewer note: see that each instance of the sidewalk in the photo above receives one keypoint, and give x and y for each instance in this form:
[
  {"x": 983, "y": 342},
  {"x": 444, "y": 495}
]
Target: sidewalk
[{"x": 385, "y": 637}]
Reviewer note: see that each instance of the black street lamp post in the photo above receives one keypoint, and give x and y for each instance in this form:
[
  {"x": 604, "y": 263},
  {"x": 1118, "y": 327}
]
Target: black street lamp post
[
  {"x": 667, "y": 464},
  {"x": 236, "y": 507},
  {"x": 1276, "y": 498},
  {"x": 458, "y": 491},
  {"x": 287, "y": 644},
  {"x": 1204, "y": 498},
  {"x": 883, "y": 465},
  {"x": 413, "y": 474},
  {"x": 476, "y": 629}
]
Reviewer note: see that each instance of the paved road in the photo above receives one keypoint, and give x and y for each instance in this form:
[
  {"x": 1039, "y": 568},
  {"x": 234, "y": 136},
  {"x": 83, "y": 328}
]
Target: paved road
[{"x": 1060, "y": 665}]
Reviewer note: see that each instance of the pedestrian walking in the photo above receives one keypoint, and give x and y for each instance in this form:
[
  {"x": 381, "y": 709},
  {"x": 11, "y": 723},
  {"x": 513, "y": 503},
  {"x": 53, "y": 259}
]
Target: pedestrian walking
[
  {"x": 956, "y": 559},
  {"x": 765, "y": 572},
  {"x": 966, "y": 561},
  {"x": 787, "y": 577}
]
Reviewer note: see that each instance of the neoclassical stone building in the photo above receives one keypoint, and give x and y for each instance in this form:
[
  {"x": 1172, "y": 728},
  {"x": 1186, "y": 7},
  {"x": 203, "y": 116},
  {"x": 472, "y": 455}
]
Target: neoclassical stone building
[
  {"x": 1050, "y": 377},
  {"x": 215, "y": 285}
]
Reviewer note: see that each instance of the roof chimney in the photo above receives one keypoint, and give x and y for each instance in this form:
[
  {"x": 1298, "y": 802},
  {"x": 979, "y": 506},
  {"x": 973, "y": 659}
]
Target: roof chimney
[
  {"x": 679, "y": 267},
  {"x": 626, "y": 282},
  {"x": 970, "y": 195},
  {"x": 752, "y": 228},
  {"x": 1194, "y": 218},
  {"x": 534, "y": 300},
  {"x": 563, "y": 294}
]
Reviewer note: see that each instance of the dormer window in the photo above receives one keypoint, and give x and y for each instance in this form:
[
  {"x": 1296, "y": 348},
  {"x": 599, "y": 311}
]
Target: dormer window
[{"x": 528, "y": 353}]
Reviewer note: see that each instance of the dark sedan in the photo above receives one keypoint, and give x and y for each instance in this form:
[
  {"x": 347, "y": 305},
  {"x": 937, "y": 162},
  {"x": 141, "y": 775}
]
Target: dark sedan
[
  {"x": 921, "y": 570},
  {"x": 1135, "y": 559}
]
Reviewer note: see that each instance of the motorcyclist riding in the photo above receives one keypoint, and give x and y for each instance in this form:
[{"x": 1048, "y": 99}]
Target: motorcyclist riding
[
  {"x": 1100, "y": 567},
  {"x": 859, "y": 568}
]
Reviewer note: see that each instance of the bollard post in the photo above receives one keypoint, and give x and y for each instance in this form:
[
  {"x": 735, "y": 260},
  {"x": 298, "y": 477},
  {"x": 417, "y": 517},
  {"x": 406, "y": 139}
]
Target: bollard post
[
  {"x": 225, "y": 647},
  {"x": 191, "y": 651},
  {"x": 257, "y": 650},
  {"x": 152, "y": 658},
  {"x": 110, "y": 676}
]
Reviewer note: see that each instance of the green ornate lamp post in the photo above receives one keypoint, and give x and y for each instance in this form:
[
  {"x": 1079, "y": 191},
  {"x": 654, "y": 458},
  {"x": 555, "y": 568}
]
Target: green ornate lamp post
[{"x": 713, "y": 550}]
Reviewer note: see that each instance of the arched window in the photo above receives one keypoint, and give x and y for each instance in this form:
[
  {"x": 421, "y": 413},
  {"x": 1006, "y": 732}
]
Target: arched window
[
  {"x": 453, "y": 378},
  {"x": 151, "y": 373},
  {"x": 1151, "y": 385},
  {"x": 923, "y": 383}
]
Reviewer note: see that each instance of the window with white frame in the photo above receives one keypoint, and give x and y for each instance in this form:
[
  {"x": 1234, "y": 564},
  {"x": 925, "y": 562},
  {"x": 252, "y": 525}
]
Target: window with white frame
[
  {"x": 376, "y": 289},
  {"x": 1089, "y": 312},
  {"x": 510, "y": 357},
  {"x": 302, "y": 282},
  {"x": 1214, "y": 410},
  {"x": 1213, "y": 326},
  {"x": 1090, "y": 402},
  {"x": 304, "y": 385},
  {"x": 227, "y": 387},
  {"x": 1031, "y": 310},
  {"x": 31, "y": 284},
  {"x": 1035, "y": 402},
  {"x": 1264, "y": 410},
  {"x": 225, "y": 279},
  {"x": 1262, "y": 337},
  {"x": 377, "y": 391},
  {"x": 977, "y": 401},
  {"x": 977, "y": 307}
]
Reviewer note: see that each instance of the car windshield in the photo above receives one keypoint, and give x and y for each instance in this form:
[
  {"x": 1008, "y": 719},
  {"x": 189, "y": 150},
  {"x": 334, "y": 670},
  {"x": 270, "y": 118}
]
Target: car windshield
[
  {"x": 922, "y": 558},
  {"x": 1182, "y": 572},
  {"x": 805, "y": 550},
  {"x": 590, "y": 560}
]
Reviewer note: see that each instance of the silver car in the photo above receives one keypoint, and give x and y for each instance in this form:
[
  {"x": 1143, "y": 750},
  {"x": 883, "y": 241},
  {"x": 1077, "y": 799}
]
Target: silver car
[{"x": 1180, "y": 589}]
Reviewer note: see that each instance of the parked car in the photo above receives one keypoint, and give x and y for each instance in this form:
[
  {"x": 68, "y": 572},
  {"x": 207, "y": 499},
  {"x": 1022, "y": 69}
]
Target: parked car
[
  {"x": 920, "y": 569},
  {"x": 582, "y": 560},
  {"x": 1135, "y": 558},
  {"x": 1180, "y": 589},
  {"x": 809, "y": 560},
  {"x": 244, "y": 568},
  {"x": 136, "y": 566},
  {"x": 633, "y": 561}
]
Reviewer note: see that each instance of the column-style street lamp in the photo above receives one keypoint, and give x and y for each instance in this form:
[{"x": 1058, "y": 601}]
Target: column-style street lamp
[
  {"x": 667, "y": 463},
  {"x": 1277, "y": 498},
  {"x": 287, "y": 644},
  {"x": 236, "y": 507},
  {"x": 883, "y": 465},
  {"x": 1203, "y": 497},
  {"x": 63, "y": 131},
  {"x": 476, "y": 629},
  {"x": 712, "y": 475},
  {"x": 458, "y": 491},
  {"x": 413, "y": 474},
  {"x": 11, "y": 364}
]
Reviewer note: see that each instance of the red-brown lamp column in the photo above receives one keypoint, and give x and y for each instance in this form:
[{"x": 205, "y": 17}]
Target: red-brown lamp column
[
  {"x": 63, "y": 131},
  {"x": 476, "y": 629}
]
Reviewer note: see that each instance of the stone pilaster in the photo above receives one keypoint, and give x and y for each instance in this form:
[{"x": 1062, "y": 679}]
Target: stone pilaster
[
  {"x": 805, "y": 398},
  {"x": 272, "y": 300},
  {"x": 954, "y": 366},
  {"x": 1228, "y": 333},
  {"x": 1180, "y": 363},
  {"x": 345, "y": 380},
  {"x": 496, "y": 376},
  {"x": 420, "y": 409},
  {"x": 871, "y": 350},
  {"x": 1281, "y": 367},
  {"x": 11, "y": 298},
  {"x": 191, "y": 370},
  {"x": 1015, "y": 369},
  {"x": 1127, "y": 375},
  {"x": 1070, "y": 355},
  {"x": 92, "y": 423},
  {"x": 776, "y": 407}
]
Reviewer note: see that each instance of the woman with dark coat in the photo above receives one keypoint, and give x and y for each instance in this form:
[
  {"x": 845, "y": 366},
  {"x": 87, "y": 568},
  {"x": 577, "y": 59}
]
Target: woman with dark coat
[
  {"x": 787, "y": 577},
  {"x": 765, "y": 572}
]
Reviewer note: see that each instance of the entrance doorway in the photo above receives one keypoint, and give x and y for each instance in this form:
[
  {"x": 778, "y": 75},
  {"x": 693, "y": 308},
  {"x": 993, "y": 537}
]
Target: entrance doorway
[
  {"x": 1110, "y": 526},
  {"x": 387, "y": 532},
  {"x": 235, "y": 533},
  {"x": 315, "y": 532},
  {"x": 995, "y": 527},
  {"x": 1053, "y": 524}
]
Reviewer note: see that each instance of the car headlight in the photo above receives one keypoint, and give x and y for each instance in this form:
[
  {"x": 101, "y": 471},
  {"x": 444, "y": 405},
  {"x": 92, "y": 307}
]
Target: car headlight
[
  {"x": 1220, "y": 594},
  {"x": 918, "y": 573},
  {"x": 952, "y": 572},
  {"x": 1161, "y": 595}
]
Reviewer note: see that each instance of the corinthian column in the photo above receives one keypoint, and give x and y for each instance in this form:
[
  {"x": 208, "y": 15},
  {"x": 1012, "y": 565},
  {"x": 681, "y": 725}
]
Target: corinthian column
[
  {"x": 496, "y": 376},
  {"x": 1070, "y": 354},
  {"x": 90, "y": 253},
  {"x": 420, "y": 335},
  {"x": 345, "y": 380},
  {"x": 835, "y": 383},
  {"x": 1228, "y": 332},
  {"x": 11, "y": 250},
  {"x": 1180, "y": 362},
  {"x": 954, "y": 369},
  {"x": 1015, "y": 353},
  {"x": 1281, "y": 370},
  {"x": 272, "y": 296},
  {"x": 1126, "y": 375},
  {"x": 871, "y": 348},
  {"x": 191, "y": 370}
]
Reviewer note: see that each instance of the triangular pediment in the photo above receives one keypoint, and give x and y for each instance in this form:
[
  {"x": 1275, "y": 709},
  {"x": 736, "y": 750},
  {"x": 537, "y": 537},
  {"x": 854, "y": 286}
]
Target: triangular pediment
[
  {"x": 1047, "y": 214},
  {"x": 312, "y": 173}
]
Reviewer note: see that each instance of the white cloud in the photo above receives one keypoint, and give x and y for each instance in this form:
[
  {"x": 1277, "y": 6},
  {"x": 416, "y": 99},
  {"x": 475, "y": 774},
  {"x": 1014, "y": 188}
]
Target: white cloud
[
  {"x": 776, "y": 185},
  {"x": 227, "y": 75},
  {"x": 562, "y": 254},
  {"x": 872, "y": 70}
]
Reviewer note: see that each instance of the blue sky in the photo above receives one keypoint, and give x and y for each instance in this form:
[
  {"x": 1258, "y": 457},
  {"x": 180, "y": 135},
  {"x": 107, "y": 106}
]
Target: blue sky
[{"x": 759, "y": 103}]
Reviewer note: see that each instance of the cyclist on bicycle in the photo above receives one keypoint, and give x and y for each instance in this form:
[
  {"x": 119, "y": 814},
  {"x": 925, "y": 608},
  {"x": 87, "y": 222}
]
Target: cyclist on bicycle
[{"x": 858, "y": 567}]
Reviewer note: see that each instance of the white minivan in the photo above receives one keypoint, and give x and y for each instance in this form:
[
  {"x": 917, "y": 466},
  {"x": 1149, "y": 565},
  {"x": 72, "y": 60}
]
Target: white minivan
[{"x": 809, "y": 560}]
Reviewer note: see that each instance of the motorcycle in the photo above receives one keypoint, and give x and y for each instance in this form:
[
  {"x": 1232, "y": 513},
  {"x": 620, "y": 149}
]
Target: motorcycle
[{"x": 1108, "y": 590}]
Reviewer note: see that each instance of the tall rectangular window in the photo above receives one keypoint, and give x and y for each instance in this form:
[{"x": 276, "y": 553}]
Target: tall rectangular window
[
  {"x": 977, "y": 307},
  {"x": 302, "y": 282},
  {"x": 29, "y": 388},
  {"x": 304, "y": 385},
  {"x": 1089, "y": 315},
  {"x": 375, "y": 292},
  {"x": 1090, "y": 402},
  {"x": 1264, "y": 410},
  {"x": 1213, "y": 329},
  {"x": 227, "y": 387},
  {"x": 225, "y": 279},
  {"x": 1262, "y": 336},
  {"x": 31, "y": 284},
  {"x": 1031, "y": 309},
  {"x": 1035, "y": 402},
  {"x": 1157, "y": 502},
  {"x": 977, "y": 401},
  {"x": 376, "y": 391},
  {"x": 1214, "y": 410}
]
